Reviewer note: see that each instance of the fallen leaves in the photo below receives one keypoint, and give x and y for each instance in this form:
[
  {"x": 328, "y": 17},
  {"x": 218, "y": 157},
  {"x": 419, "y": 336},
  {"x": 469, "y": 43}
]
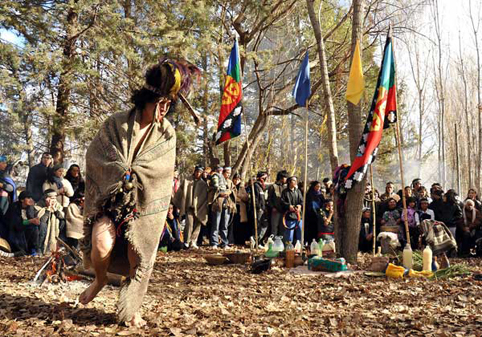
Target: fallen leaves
[{"x": 187, "y": 297}]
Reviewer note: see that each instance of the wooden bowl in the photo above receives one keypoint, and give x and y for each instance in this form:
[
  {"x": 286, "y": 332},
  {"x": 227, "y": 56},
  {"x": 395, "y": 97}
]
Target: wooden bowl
[
  {"x": 215, "y": 259},
  {"x": 392, "y": 229},
  {"x": 238, "y": 258}
]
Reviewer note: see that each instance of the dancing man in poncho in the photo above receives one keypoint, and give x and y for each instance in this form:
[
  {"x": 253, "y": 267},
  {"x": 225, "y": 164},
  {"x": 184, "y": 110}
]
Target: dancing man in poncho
[{"x": 129, "y": 171}]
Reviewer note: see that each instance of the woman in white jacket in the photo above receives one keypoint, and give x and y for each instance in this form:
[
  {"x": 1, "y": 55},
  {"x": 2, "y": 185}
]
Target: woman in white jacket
[{"x": 57, "y": 182}]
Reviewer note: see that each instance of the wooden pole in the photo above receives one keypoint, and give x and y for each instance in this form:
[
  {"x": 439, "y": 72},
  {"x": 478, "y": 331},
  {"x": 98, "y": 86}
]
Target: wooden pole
[
  {"x": 255, "y": 215},
  {"x": 457, "y": 157},
  {"x": 374, "y": 212},
  {"x": 303, "y": 223},
  {"x": 399, "y": 145}
]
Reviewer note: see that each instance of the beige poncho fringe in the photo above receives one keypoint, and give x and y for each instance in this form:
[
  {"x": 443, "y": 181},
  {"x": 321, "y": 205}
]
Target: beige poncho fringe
[{"x": 108, "y": 158}]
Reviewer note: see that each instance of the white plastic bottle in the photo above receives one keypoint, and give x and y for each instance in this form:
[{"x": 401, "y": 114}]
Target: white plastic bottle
[
  {"x": 427, "y": 259},
  {"x": 314, "y": 248},
  {"x": 298, "y": 247},
  {"x": 407, "y": 257}
]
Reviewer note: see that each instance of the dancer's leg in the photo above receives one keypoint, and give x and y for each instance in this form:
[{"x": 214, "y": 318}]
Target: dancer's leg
[{"x": 103, "y": 240}]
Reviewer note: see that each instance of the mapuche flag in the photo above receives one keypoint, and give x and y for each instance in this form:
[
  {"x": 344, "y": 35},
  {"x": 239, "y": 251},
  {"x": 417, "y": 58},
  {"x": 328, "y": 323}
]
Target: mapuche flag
[
  {"x": 382, "y": 112},
  {"x": 229, "y": 123}
]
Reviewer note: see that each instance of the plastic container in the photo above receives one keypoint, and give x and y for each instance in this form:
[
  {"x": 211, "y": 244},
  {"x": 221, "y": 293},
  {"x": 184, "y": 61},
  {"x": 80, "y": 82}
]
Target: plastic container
[
  {"x": 270, "y": 240},
  {"x": 298, "y": 247},
  {"x": 427, "y": 259},
  {"x": 407, "y": 257},
  {"x": 321, "y": 244},
  {"x": 314, "y": 248},
  {"x": 278, "y": 244}
]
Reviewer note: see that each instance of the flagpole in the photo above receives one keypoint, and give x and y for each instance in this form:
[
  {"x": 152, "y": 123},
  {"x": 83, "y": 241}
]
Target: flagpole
[
  {"x": 399, "y": 145},
  {"x": 303, "y": 223},
  {"x": 374, "y": 212},
  {"x": 252, "y": 187}
]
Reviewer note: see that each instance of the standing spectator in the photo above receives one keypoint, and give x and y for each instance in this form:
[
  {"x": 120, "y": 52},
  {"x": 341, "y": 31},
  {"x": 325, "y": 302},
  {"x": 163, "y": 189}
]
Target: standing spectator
[
  {"x": 260, "y": 201},
  {"x": 222, "y": 188},
  {"x": 62, "y": 187},
  {"x": 274, "y": 202},
  {"x": 451, "y": 213},
  {"x": 52, "y": 218},
  {"x": 417, "y": 190},
  {"x": 74, "y": 176},
  {"x": 314, "y": 203},
  {"x": 472, "y": 195},
  {"x": 365, "y": 243},
  {"x": 437, "y": 203},
  {"x": 24, "y": 225},
  {"x": 38, "y": 175},
  {"x": 192, "y": 201},
  {"x": 292, "y": 202},
  {"x": 241, "y": 230},
  {"x": 175, "y": 182},
  {"x": 8, "y": 193},
  {"x": 389, "y": 193},
  {"x": 328, "y": 185}
]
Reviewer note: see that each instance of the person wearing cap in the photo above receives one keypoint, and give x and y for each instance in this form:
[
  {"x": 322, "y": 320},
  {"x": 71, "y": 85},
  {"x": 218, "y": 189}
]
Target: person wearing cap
[
  {"x": 260, "y": 201},
  {"x": 191, "y": 199},
  {"x": 51, "y": 215},
  {"x": 37, "y": 176},
  {"x": 129, "y": 184},
  {"x": 8, "y": 192},
  {"x": 56, "y": 181},
  {"x": 24, "y": 226}
]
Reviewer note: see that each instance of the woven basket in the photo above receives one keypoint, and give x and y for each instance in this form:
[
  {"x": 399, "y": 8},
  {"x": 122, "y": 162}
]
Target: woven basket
[
  {"x": 391, "y": 229},
  {"x": 238, "y": 258},
  {"x": 215, "y": 259},
  {"x": 5, "y": 246}
]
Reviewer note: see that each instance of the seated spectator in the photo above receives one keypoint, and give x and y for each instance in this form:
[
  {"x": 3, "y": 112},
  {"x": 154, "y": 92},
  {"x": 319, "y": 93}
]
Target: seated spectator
[
  {"x": 61, "y": 186},
  {"x": 74, "y": 176},
  {"x": 74, "y": 220},
  {"x": 24, "y": 225},
  {"x": 51, "y": 217},
  {"x": 8, "y": 192},
  {"x": 472, "y": 195},
  {"x": 171, "y": 235},
  {"x": 326, "y": 227},
  {"x": 424, "y": 213},
  {"x": 408, "y": 194},
  {"x": 469, "y": 227},
  {"x": 392, "y": 216},
  {"x": 413, "y": 222},
  {"x": 365, "y": 243}
]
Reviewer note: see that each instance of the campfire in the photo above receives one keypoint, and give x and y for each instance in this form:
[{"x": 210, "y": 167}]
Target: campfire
[{"x": 59, "y": 266}]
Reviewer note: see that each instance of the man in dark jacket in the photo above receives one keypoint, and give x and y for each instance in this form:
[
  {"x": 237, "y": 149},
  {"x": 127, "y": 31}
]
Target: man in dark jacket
[
  {"x": 260, "y": 201},
  {"x": 23, "y": 225},
  {"x": 8, "y": 195},
  {"x": 292, "y": 202},
  {"x": 37, "y": 176},
  {"x": 274, "y": 202}
]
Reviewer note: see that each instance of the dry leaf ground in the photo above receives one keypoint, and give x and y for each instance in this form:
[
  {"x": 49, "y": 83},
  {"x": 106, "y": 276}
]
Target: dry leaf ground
[{"x": 187, "y": 297}]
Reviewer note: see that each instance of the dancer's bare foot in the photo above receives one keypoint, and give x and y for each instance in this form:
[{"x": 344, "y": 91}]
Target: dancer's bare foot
[
  {"x": 137, "y": 321},
  {"x": 92, "y": 291}
]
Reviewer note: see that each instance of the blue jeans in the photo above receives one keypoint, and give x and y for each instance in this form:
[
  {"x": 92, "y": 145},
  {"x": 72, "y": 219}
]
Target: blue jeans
[
  {"x": 220, "y": 224},
  {"x": 292, "y": 235}
]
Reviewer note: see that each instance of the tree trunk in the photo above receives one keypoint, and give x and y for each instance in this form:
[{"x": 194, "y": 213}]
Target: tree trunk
[
  {"x": 64, "y": 88},
  {"x": 467, "y": 118},
  {"x": 350, "y": 228},
  {"x": 328, "y": 99}
]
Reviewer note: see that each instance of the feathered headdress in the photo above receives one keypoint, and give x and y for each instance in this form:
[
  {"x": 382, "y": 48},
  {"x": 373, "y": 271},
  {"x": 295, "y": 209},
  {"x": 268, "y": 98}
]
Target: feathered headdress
[{"x": 175, "y": 80}]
